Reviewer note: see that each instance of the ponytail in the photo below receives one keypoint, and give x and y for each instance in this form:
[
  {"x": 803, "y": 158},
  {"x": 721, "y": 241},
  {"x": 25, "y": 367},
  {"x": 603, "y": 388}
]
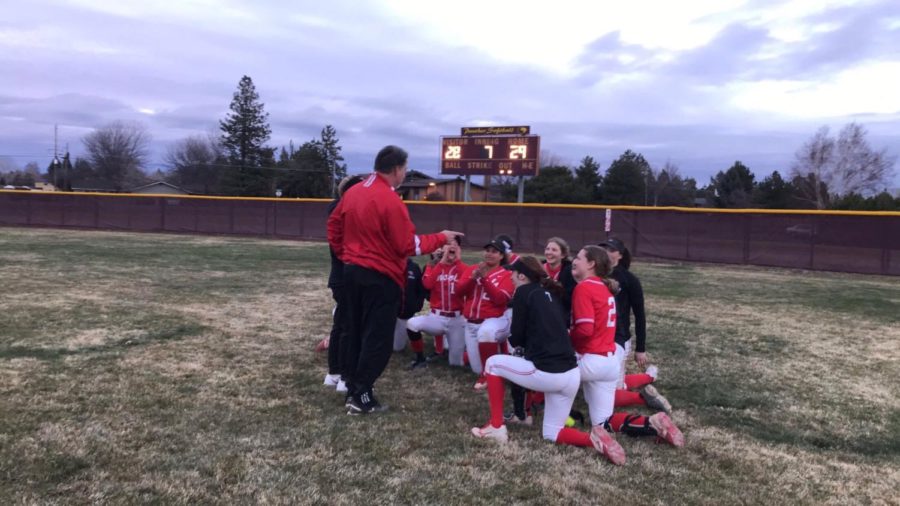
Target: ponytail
[{"x": 602, "y": 266}]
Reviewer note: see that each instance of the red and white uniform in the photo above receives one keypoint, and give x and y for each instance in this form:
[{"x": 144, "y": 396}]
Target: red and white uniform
[
  {"x": 382, "y": 248},
  {"x": 593, "y": 337},
  {"x": 446, "y": 304},
  {"x": 553, "y": 273},
  {"x": 486, "y": 299}
]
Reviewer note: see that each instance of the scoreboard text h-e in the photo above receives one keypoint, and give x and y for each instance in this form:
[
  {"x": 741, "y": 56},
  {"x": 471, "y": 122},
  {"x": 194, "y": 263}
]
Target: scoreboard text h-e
[{"x": 490, "y": 155}]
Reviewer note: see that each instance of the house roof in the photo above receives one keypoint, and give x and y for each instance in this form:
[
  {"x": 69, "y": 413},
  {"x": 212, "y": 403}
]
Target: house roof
[
  {"x": 159, "y": 183},
  {"x": 422, "y": 183}
]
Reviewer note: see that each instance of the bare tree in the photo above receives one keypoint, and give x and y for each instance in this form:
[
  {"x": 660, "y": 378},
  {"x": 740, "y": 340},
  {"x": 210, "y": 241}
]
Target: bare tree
[
  {"x": 118, "y": 152},
  {"x": 194, "y": 162},
  {"x": 825, "y": 166}
]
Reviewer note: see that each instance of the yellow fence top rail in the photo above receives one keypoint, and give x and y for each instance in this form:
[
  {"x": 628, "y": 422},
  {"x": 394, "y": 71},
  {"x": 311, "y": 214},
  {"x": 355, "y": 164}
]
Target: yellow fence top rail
[{"x": 285, "y": 200}]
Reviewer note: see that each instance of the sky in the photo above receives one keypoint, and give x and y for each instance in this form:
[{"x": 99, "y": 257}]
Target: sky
[{"x": 695, "y": 83}]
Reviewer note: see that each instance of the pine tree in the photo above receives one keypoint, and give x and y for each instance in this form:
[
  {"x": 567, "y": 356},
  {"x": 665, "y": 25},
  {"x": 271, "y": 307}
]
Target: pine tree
[
  {"x": 245, "y": 131},
  {"x": 332, "y": 150},
  {"x": 625, "y": 180},
  {"x": 734, "y": 187},
  {"x": 587, "y": 176}
]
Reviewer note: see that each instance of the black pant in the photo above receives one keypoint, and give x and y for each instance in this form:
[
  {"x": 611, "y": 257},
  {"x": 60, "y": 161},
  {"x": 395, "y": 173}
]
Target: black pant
[
  {"x": 336, "y": 342},
  {"x": 373, "y": 302}
]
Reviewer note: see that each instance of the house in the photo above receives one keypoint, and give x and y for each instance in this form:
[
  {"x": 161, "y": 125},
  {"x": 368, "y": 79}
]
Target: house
[
  {"x": 441, "y": 189},
  {"x": 160, "y": 187}
]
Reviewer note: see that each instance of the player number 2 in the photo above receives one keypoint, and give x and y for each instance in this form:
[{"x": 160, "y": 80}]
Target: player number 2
[{"x": 611, "y": 316}]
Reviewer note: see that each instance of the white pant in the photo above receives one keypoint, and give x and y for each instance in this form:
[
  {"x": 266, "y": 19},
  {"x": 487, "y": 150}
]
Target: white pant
[
  {"x": 451, "y": 327},
  {"x": 599, "y": 375},
  {"x": 491, "y": 330},
  {"x": 400, "y": 337},
  {"x": 625, "y": 353},
  {"x": 559, "y": 388}
]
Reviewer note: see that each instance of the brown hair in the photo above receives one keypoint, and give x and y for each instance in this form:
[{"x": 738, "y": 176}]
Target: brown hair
[
  {"x": 602, "y": 266},
  {"x": 535, "y": 272},
  {"x": 563, "y": 246}
]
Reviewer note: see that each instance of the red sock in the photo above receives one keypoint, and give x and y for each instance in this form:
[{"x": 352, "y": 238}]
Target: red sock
[
  {"x": 486, "y": 350},
  {"x": 496, "y": 392},
  {"x": 537, "y": 397},
  {"x": 618, "y": 419},
  {"x": 465, "y": 358},
  {"x": 417, "y": 346},
  {"x": 439, "y": 344},
  {"x": 628, "y": 398},
  {"x": 634, "y": 381},
  {"x": 569, "y": 436}
]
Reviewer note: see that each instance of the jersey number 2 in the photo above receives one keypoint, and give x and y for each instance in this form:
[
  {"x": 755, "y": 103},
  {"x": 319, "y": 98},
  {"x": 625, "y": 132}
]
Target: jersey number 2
[{"x": 611, "y": 316}]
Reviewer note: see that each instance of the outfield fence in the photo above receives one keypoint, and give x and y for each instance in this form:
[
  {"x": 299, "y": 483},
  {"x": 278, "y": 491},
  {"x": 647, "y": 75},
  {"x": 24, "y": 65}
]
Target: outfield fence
[{"x": 846, "y": 241}]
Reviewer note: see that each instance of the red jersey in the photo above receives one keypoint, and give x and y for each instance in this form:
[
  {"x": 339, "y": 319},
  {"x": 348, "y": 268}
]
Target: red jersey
[
  {"x": 594, "y": 316},
  {"x": 486, "y": 297},
  {"x": 553, "y": 273},
  {"x": 441, "y": 280},
  {"x": 371, "y": 228}
]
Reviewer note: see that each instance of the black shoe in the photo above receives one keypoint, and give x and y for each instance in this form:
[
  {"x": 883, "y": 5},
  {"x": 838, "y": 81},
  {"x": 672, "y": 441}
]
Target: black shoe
[
  {"x": 417, "y": 364},
  {"x": 434, "y": 357},
  {"x": 365, "y": 404}
]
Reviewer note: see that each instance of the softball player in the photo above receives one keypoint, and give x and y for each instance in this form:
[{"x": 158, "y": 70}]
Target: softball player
[
  {"x": 559, "y": 268},
  {"x": 544, "y": 362},
  {"x": 487, "y": 288},
  {"x": 446, "y": 307},
  {"x": 413, "y": 300},
  {"x": 630, "y": 299},
  {"x": 593, "y": 331}
]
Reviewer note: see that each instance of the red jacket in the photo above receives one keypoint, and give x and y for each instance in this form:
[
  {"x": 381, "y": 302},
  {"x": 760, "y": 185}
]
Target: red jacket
[
  {"x": 441, "y": 279},
  {"x": 371, "y": 228},
  {"x": 594, "y": 317},
  {"x": 486, "y": 297}
]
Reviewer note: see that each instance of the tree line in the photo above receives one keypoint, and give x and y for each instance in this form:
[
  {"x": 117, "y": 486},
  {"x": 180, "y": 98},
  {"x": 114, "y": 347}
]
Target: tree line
[
  {"x": 829, "y": 172},
  {"x": 236, "y": 162},
  {"x": 842, "y": 172}
]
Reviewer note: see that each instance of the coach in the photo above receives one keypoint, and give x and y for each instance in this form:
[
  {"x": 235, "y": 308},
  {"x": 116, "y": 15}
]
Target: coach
[{"x": 370, "y": 231}]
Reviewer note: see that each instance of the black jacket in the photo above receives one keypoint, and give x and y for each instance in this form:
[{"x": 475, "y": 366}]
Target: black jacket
[
  {"x": 630, "y": 299},
  {"x": 538, "y": 327},
  {"x": 336, "y": 277},
  {"x": 415, "y": 294}
]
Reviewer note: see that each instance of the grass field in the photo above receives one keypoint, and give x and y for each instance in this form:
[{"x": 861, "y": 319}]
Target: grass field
[{"x": 180, "y": 369}]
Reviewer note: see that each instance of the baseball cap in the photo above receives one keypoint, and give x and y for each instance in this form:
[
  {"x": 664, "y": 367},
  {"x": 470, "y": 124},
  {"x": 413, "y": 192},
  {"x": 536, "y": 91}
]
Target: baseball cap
[
  {"x": 522, "y": 265},
  {"x": 613, "y": 244},
  {"x": 506, "y": 240},
  {"x": 498, "y": 245}
]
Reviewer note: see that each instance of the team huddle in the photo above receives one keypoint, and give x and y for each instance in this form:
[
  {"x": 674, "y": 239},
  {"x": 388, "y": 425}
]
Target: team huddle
[{"x": 544, "y": 327}]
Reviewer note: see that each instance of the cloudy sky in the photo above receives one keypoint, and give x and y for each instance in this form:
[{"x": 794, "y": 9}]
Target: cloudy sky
[{"x": 700, "y": 83}]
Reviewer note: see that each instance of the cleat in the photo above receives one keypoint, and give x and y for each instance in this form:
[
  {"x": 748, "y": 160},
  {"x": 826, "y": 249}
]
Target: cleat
[
  {"x": 511, "y": 418},
  {"x": 607, "y": 446},
  {"x": 331, "y": 380},
  {"x": 655, "y": 400},
  {"x": 341, "y": 386},
  {"x": 322, "y": 345},
  {"x": 434, "y": 357},
  {"x": 417, "y": 364},
  {"x": 489, "y": 432},
  {"x": 481, "y": 384},
  {"x": 667, "y": 429},
  {"x": 652, "y": 371},
  {"x": 365, "y": 404}
]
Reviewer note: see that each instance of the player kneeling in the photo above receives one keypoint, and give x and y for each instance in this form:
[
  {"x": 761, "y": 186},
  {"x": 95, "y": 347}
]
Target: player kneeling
[{"x": 546, "y": 363}]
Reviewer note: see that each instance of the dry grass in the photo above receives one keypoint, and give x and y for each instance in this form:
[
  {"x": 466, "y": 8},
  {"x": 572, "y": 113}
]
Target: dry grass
[{"x": 173, "y": 369}]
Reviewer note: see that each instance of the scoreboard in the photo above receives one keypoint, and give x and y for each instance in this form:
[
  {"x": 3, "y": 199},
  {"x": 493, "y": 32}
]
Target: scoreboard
[{"x": 490, "y": 155}]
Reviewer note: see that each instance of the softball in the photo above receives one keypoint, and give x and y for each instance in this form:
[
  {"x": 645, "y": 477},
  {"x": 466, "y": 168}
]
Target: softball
[{"x": 570, "y": 422}]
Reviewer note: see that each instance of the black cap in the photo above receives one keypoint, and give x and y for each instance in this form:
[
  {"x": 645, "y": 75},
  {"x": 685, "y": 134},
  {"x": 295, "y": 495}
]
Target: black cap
[
  {"x": 613, "y": 244},
  {"x": 506, "y": 240},
  {"x": 498, "y": 245},
  {"x": 520, "y": 266}
]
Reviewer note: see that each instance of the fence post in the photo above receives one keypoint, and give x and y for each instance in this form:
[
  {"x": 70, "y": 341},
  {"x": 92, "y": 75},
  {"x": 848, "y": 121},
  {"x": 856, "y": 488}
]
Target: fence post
[
  {"x": 746, "y": 255},
  {"x": 813, "y": 230}
]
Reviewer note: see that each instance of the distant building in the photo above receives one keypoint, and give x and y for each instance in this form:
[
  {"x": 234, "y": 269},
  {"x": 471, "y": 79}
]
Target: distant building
[
  {"x": 451, "y": 190},
  {"x": 45, "y": 187},
  {"x": 160, "y": 187}
]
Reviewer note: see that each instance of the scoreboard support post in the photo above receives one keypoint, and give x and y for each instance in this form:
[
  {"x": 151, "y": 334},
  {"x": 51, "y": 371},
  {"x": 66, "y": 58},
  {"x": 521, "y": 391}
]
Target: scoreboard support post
[
  {"x": 521, "y": 189},
  {"x": 466, "y": 194}
]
